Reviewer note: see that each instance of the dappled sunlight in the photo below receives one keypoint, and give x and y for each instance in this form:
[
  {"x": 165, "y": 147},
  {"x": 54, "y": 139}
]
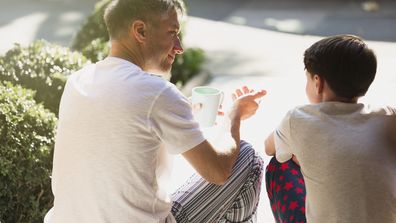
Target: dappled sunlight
[
  {"x": 236, "y": 50},
  {"x": 368, "y": 19},
  {"x": 287, "y": 25},
  {"x": 238, "y": 20},
  {"x": 68, "y": 20},
  {"x": 28, "y": 30},
  {"x": 71, "y": 17},
  {"x": 54, "y": 21}
]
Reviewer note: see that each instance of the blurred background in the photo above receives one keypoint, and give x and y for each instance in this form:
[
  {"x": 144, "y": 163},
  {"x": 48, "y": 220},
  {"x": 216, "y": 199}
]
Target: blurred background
[{"x": 23, "y": 21}]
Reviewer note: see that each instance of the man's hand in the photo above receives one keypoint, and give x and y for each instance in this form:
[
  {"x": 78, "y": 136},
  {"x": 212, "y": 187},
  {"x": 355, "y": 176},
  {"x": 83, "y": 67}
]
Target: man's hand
[
  {"x": 215, "y": 164},
  {"x": 246, "y": 102}
]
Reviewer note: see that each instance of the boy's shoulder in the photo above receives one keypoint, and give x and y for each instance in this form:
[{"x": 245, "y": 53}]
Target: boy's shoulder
[
  {"x": 380, "y": 110},
  {"x": 340, "y": 109}
]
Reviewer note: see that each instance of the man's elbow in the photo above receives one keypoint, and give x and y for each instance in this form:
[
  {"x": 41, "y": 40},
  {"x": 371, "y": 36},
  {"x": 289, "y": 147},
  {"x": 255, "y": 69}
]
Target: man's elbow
[
  {"x": 219, "y": 182},
  {"x": 219, "y": 177}
]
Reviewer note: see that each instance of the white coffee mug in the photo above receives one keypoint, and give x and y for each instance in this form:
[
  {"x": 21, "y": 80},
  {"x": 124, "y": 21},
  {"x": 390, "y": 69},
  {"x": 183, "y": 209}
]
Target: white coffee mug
[{"x": 209, "y": 99}]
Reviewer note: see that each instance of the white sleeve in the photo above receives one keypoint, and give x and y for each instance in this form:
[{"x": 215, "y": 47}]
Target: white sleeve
[
  {"x": 172, "y": 120},
  {"x": 283, "y": 140}
]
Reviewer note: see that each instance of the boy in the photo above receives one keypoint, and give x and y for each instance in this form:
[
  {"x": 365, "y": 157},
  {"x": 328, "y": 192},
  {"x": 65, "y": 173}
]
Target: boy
[{"x": 348, "y": 165}]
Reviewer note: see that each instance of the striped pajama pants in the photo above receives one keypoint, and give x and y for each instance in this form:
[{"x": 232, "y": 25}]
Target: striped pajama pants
[{"x": 199, "y": 201}]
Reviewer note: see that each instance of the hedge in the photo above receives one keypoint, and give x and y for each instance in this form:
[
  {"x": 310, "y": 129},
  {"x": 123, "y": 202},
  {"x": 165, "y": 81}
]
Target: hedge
[
  {"x": 27, "y": 140},
  {"x": 42, "y": 67}
]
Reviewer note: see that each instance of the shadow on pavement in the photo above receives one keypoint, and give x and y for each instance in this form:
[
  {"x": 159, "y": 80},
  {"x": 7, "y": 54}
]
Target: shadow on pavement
[
  {"x": 304, "y": 17},
  {"x": 56, "y": 21}
]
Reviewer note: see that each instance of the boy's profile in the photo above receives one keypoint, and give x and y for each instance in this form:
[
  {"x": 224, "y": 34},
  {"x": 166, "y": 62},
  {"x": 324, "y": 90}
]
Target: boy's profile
[{"x": 347, "y": 165}]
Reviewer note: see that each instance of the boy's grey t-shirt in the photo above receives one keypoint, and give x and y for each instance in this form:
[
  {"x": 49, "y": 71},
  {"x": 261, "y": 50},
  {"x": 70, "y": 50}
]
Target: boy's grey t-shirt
[{"x": 348, "y": 167}]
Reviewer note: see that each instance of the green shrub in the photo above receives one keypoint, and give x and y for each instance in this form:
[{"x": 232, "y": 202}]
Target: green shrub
[
  {"x": 26, "y": 134},
  {"x": 97, "y": 50},
  {"x": 187, "y": 66},
  {"x": 93, "y": 28},
  {"x": 92, "y": 40},
  {"x": 42, "y": 67}
]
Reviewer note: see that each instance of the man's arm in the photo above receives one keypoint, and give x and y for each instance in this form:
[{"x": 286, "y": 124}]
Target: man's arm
[
  {"x": 214, "y": 163},
  {"x": 214, "y": 167}
]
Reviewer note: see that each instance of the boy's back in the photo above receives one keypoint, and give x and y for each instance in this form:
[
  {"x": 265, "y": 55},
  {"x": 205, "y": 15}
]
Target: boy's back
[
  {"x": 343, "y": 147},
  {"x": 348, "y": 167}
]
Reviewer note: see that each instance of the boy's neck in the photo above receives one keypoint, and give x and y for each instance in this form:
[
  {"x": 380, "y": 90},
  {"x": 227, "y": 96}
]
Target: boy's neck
[
  {"x": 341, "y": 99},
  {"x": 328, "y": 95}
]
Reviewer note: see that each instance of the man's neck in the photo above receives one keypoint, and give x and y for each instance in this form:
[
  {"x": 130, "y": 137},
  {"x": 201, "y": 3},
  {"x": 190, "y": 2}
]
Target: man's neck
[{"x": 121, "y": 50}]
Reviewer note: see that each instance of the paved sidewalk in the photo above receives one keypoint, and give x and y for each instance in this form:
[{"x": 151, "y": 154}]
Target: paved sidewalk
[
  {"x": 23, "y": 21},
  {"x": 304, "y": 17}
]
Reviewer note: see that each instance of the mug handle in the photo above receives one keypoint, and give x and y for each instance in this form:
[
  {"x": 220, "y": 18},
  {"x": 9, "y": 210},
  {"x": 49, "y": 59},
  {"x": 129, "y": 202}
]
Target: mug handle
[{"x": 221, "y": 98}]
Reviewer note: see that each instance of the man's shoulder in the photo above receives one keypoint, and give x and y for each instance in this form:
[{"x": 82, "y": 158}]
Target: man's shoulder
[
  {"x": 81, "y": 74},
  {"x": 153, "y": 81}
]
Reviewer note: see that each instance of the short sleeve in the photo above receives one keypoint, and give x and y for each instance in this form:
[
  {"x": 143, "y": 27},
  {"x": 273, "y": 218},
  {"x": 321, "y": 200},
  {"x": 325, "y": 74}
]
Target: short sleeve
[
  {"x": 172, "y": 120},
  {"x": 283, "y": 142}
]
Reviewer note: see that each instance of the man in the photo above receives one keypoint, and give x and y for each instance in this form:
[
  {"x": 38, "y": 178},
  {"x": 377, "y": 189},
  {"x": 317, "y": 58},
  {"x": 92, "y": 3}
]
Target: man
[{"x": 118, "y": 122}]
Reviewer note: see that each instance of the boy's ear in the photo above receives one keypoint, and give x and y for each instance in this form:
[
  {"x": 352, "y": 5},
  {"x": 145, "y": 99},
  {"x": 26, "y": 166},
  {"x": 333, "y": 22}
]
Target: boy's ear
[
  {"x": 319, "y": 84},
  {"x": 138, "y": 30}
]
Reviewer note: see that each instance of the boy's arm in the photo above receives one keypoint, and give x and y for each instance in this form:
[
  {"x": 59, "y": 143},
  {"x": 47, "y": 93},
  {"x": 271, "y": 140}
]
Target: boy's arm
[{"x": 270, "y": 145}]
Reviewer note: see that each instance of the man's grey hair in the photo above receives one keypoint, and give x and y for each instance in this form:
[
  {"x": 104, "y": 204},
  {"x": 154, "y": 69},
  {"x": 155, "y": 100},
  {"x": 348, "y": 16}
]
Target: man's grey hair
[{"x": 120, "y": 14}]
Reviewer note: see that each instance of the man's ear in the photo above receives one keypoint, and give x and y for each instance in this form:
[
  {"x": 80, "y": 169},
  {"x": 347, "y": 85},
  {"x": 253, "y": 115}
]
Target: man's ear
[
  {"x": 319, "y": 84},
  {"x": 138, "y": 30}
]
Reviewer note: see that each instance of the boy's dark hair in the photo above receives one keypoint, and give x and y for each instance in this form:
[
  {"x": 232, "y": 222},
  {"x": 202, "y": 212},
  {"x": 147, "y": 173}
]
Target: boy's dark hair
[
  {"x": 345, "y": 62},
  {"x": 120, "y": 14}
]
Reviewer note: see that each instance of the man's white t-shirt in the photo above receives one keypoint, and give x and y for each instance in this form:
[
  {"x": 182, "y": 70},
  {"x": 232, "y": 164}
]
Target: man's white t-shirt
[
  {"x": 348, "y": 166},
  {"x": 117, "y": 126}
]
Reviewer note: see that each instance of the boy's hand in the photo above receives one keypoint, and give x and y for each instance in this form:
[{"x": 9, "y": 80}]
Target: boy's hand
[{"x": 246, "y": 102}]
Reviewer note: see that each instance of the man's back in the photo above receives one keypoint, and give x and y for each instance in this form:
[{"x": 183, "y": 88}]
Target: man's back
[
  {"x": 110, "y": 163},
  {"x": 348, "y": 166}
]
